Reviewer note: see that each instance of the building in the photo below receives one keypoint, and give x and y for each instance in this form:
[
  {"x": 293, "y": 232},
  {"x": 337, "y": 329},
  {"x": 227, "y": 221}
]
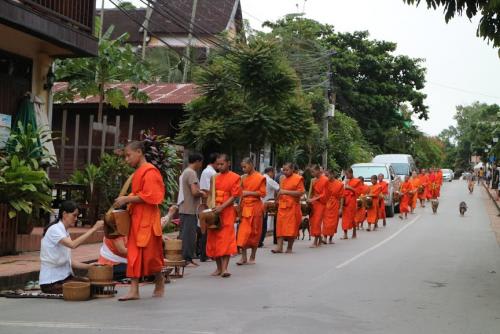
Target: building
[
  {"x": 32, "y": 34},
  {"x": 81, "y": 145},
  {"x": 169, "y": 24}
]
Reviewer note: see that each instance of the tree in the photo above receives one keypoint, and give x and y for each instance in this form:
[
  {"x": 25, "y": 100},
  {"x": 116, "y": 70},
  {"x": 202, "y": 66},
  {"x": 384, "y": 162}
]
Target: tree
[
  {"x": 371, "y": 83},
  {"x": 116, "y": 62},
  {"x": 489, "y": 25},
  {"x": 165, "y": 64},
  {"x": 250, "y": 98},
  {"x": 428, "y": 152},
  {"x": 127, "y": 5},
  {"x": 477, "y": 124}
]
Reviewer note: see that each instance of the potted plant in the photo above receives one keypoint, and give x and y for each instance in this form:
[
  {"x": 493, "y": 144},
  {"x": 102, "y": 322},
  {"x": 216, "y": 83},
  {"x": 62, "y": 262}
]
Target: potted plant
[{"x": 24, "y": 183}]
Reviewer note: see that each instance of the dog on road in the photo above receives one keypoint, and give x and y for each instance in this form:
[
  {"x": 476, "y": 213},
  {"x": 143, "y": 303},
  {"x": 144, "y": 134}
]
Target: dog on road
[
  {"x": 304, "y": 225},
  {"x": 462, "y": 208},
  {"x": 435, "y": 205}
]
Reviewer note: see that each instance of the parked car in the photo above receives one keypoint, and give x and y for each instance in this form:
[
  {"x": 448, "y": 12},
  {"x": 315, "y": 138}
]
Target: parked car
[
  {"x": 448, "y": 175},
  {"x": 403, "y": 164},
  {"x": 366, "y": 170}
]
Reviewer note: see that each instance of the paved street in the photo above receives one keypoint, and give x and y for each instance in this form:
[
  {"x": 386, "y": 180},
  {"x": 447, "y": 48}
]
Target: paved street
[{"x": 430, "y": 274}]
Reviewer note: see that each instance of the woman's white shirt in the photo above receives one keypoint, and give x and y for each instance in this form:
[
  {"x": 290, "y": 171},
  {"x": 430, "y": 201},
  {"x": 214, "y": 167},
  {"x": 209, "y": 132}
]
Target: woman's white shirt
[{"x": 55, "y": 258}]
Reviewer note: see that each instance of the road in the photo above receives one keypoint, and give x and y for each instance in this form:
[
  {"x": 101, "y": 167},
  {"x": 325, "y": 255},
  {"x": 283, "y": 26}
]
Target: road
[{"x": 429, "y": 274}]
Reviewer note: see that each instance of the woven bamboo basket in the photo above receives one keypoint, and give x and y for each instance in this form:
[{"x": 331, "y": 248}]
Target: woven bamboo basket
[
  {"x": 173, "y": 250},
  {"x": 100, "y": 273},
  {"x": 76, "y": 291}
]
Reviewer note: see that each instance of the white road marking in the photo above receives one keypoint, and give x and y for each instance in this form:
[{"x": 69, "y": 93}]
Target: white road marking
[{"x": 342, "y": 265}]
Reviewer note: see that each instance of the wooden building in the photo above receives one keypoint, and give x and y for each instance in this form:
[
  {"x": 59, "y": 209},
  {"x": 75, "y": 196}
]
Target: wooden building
[
  {"x": 84, "y": 143},
  {"x": 169, "y": 24},
  {"x": 32, "y": 34}
]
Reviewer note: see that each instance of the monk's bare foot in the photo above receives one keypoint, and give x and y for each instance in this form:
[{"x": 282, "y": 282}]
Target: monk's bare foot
[
  {"x": 250, "y": 262},
  {"x": 314, "y": 246},
  {"x": 276, "y": 251},
  {"x": 158, "y": 292},
  {"x": 331, "y": 242},
  {"x": 344, "y": 238},
  {"x": 192, "y": 264},
  {"x": 289, "y": 251},
  {"x": 241, "y": 262},
  {"x": 215, "y": 273},
  {"x": 226, "y": 275},
  {"x": 128, "y": 297},
  {"x": 368, "y": 230}
]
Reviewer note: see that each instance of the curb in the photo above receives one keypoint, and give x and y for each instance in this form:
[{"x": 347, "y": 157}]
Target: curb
[{"x": 492, "y": 198}]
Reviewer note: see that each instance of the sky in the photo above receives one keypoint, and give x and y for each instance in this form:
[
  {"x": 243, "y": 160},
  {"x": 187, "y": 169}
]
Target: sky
[{"x": 461, "y": 67}]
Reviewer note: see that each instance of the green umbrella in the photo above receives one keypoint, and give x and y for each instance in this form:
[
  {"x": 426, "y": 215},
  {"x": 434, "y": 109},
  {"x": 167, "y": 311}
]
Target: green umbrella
[{"x": 24, "y": 130}]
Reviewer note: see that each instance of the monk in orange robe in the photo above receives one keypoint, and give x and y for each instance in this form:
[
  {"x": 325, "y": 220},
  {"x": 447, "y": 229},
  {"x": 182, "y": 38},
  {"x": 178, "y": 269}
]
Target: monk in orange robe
[
  {"x": 351, "y": 193},
  {"x": 363, "y": 190},
  {"x": 318, "y": 202},
  {"x": 334, "y": 201},
  {"x": 289, "y": 211},
  {"x": 421, "y": 191},
  {"x": 372, "y": 213},
  {"x": 221, "y": 242},
  {"x": 415, "y": 182},
  {"x": 433, "y": 184},
  {"x": 252, "y": 211},
  {"x": 385, "y": 191},
  {"x": 406, "y": 191},
  {"x": 430, "y": 180},
  {"x": 439, "y": 179},
  {"x": 145, "y": 243}
]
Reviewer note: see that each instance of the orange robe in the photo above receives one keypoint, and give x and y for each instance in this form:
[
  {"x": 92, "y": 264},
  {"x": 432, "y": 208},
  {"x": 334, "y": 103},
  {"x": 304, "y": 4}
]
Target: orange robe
[
  {"x": 222, "y": 241},
  {"x": 334, "y": 194},
  {"x": 385, "y": 191},
  {"x": 110, "y": 244},
  {"x": 252, "y": 211},
  {"x": 423, "y": 182},
  {"x": 415, "y": 182},
  {"x": 145, "y": 243},
  {"x": 361, "y": 212},
  {"x": 439, "y": 177},
  {"x": 373, "y": 213},
  {"x": 318, "y": 206},
  {"x": 404, "y": 203},
  {"x": 433, "y": 186},
  {"x": 289, "y": 212},
  {"x": 349, "y": 210},
  {"x": 428, "y": 186}
]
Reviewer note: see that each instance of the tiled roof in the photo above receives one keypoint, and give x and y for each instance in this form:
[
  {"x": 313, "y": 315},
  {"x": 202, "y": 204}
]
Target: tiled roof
[
  {"x": 212, "y": 17},
  {"x": 159, "y": 93}
]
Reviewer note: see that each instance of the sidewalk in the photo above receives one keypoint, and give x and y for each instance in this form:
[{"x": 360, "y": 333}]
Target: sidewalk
[
  {"x": 493, "y": 208},
  {"x": 16, "y": 270}
]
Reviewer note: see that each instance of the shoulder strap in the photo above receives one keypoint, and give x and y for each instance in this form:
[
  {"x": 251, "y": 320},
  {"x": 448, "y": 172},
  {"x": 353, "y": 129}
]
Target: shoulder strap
[
  {"x": 211, "y": 200},
  {"x": 124, "y": 190},
  {"x": 310, "y": 193}
]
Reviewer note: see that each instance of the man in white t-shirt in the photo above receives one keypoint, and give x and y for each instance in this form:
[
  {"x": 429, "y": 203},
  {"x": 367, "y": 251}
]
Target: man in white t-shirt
[
  {"x": 272, "y": 187},
  {"x": 205, "y": 178}
]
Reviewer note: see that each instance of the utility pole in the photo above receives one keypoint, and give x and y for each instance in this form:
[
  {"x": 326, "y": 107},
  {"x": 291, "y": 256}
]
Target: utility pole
[
  {"x": 102, "y": 21},
  {"x": 330, "y": 112},
  {"x": 190, "y": 38},
  {"x": 149, "y": 12}
]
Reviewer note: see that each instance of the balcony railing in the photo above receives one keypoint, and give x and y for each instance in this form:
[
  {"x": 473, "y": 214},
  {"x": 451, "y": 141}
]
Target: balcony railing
[{"x": 77, "y": 13}]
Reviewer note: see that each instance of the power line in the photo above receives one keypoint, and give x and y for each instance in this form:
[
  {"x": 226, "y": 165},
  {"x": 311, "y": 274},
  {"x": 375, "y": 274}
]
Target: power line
[
  {"x": 114, "y": 2},
  {"x": 464, "y": 90}
]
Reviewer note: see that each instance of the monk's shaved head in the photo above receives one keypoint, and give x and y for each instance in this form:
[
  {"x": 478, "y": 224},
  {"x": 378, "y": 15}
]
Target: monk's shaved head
[
  {"x": 224, "y": 156},
  {"x": 247, "y": 161}
]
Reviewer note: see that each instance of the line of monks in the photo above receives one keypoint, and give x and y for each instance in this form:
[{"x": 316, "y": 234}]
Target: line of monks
[{"x": 329, "y": 200}]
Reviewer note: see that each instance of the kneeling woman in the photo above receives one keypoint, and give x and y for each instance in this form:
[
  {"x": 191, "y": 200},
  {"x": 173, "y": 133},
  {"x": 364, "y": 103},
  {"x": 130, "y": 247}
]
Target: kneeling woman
[{"x": 56, "y": 266}]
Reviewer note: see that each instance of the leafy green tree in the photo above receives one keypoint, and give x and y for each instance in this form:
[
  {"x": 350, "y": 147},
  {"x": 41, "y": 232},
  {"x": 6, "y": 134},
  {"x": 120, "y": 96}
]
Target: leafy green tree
[
  {"x": 477, "y": 124},
  {"x": 250, "y": 98},
  {"x": 489, "y": 10},
  {"x": 127, "y": 5},
  {"x": 428, "y": 152},
  {"x": 165, "y": 64},
  {"x": 116, "y": 62},
  {"x": 371, "y": 83}
]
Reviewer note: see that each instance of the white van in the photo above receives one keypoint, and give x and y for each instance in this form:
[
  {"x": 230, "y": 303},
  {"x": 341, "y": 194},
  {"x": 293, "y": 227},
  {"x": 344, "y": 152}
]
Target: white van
[
  {"x": 403, "y": 164},
  {"x": 366, "y": 170}
]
